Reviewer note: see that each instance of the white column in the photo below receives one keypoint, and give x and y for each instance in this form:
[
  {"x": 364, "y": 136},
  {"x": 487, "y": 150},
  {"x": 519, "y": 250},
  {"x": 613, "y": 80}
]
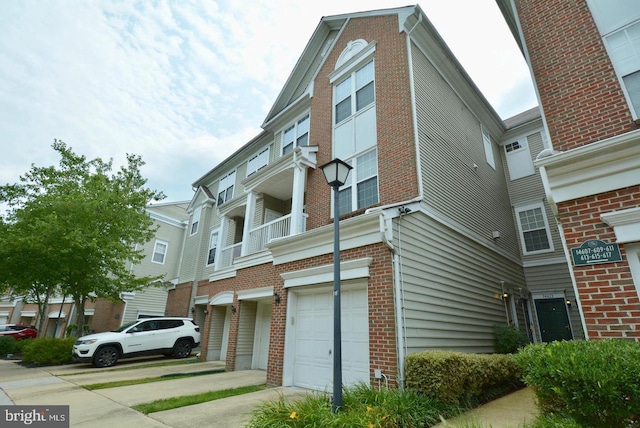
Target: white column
[
  {"x": 222, "y": 240},
  {"x": 297, "y": 199},
  {"x": 249, "y": 216}
]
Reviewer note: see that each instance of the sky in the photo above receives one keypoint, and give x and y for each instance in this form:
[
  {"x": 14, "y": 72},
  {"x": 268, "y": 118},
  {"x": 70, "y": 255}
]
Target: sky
[{"x": 186, "y": 83}]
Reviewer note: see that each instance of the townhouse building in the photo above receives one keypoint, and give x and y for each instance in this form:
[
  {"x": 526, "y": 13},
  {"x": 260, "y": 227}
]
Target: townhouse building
[
  {"x": 444, "y": 234},
  {"x": 163, "y": 257},
  {"x": 584, "y": 57}
]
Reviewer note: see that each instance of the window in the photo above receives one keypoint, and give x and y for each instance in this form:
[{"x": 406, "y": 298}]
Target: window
[
  {"x": 213, "y": 246},
  {"x": 534, "y": 229},
  {"x": 519, "y": 161},
  {"x": 258, "y": 161},
  {"x": 355, "y": 138},
  {"x": 619, "y": 26},
  {"x": 297, "y": 135},
  {"x": 159, "y": 251},
  {"x": 195, "y": 220},
  {"x": 354, "y": 93},
  {"x": 488, "y": 147},
  {"x": 364, "y": 192},
  {"x": 225, "y": 188}
]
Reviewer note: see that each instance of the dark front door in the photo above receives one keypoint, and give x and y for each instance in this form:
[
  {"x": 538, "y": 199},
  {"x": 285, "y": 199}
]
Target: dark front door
[{"x": 553, "y": 320}]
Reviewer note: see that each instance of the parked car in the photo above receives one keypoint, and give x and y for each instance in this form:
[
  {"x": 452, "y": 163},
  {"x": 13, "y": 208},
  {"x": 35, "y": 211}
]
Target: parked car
[
  {"x": 18, "y": 331},
  {"x": 163, "y": 335}
]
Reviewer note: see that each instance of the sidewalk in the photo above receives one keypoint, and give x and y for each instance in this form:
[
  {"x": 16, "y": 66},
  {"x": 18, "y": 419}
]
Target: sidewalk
[
  {"x": 510, "y": 411},
  {"x": 62, "y": 385}
]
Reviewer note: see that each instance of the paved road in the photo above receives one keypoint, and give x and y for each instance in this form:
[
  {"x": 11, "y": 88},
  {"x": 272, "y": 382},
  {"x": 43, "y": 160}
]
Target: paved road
[{"x": 62, "y": 385}]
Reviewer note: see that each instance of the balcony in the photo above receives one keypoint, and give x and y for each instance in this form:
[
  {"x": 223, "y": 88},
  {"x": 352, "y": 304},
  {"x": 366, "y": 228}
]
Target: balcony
[{"x": 259, "y": 238}]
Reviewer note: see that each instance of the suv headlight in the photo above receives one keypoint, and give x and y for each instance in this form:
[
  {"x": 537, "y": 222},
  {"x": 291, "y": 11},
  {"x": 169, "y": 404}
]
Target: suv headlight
[{"x": 86, "y": 342}]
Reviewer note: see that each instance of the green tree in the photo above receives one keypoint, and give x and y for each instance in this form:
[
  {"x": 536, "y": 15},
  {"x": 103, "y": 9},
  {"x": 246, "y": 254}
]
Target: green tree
[{"x": 71, "y": 230}]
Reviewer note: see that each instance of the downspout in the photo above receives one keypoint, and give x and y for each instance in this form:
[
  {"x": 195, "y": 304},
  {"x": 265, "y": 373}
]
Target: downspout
[{"x": 399, "y": 310}]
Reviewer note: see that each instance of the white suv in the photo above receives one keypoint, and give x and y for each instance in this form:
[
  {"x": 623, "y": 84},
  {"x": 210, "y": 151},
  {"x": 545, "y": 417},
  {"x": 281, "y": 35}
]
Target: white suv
[{"x": 164, "y": 335}]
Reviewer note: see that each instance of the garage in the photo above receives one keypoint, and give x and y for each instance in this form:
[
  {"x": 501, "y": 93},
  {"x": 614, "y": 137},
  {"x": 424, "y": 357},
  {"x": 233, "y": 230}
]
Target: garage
[{"x": 310, "y": 335}]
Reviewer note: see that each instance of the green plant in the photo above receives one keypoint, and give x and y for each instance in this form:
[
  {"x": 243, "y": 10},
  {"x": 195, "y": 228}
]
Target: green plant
[
  {"x": 596, "y": 383},
  {"x": 508, "y": 339},
  {"x": 455, "y": 377},
  {"x": 7, "y": 346},
  {"x": 48, "y": 351},
  {"x": 550, "y": 420},
  {"x": 362, "y": 406}
]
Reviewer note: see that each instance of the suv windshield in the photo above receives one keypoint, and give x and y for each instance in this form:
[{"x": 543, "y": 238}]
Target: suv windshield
[{"x": 124, "y": 327}]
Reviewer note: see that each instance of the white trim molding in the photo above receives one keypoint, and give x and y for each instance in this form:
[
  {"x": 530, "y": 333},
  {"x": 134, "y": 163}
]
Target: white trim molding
[
  {"x": 591, "y": 169},
  {"x": 255, "y": 293},
  {"x": 625, "y": 223},
  {"x": 352, "y": 269},
  {"x": 222, "y": 298}
]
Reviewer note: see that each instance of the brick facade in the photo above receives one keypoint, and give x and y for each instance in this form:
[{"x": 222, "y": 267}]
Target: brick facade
[
  {"x": 583, "y": 104},
  {"x": 578, "y": 88},
  {"x": 178, "y": 301},
  {"x": 397, "y": 173},
  {"x": 607, "y": 293}
]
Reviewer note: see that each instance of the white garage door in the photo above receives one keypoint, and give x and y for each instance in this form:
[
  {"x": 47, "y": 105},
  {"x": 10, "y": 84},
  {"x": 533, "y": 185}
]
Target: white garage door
[{"x": 313, "y": 339}]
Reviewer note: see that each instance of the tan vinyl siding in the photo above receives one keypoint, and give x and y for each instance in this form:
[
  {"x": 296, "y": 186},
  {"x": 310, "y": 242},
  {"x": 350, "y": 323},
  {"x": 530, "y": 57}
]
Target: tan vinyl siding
[
  {"x": 149, "y": 301},
  {"x": 216, "y": 329},
  {"x": 246, "y": 333},
  {"x": 457, "y": 181},
  {"x": 451, "y": 287},
  {"x": 554, "y": 277},
  {"x": 529, "y": 190}
]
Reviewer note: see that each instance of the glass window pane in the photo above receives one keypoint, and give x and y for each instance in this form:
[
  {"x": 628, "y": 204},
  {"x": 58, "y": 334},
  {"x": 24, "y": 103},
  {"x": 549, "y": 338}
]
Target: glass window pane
[
  {"x": 303, "y": 140},
  {"x": 536, "y": 240},
  {"x": 364, "y": 76},
  {"x": 288, "y": 148},
  {"x": 632, "y": 83},
  {"x": 343, "y": 110},
  {"x": 367, "y": 165},
  {"x": 288, "y": 136},
  {"x": 343, "y": 89},
  {"x": 364, "y": 97},
  {"x": 368, "y": 192},
  {"x": 343, "y": 140},
  {"x": 366, "y": 130},
  {"x": 344, "y": 201},
  {"x": 303, "y": 125}
]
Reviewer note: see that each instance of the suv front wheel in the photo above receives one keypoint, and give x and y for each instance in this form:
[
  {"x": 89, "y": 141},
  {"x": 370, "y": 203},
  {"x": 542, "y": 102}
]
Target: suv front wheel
[
  {"x": 106, "y": 357},
  {"x": 182, "y": 348}
]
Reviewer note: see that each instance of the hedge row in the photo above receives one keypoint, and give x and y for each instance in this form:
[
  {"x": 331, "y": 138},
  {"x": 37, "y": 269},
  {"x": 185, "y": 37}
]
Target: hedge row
[
  {"x": 597, "y": 383},
  {"x": 452, "y": 377}
]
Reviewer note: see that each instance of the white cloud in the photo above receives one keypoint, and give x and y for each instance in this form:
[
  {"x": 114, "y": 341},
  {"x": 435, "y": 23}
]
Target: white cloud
[{"x": 185, "y": 84}]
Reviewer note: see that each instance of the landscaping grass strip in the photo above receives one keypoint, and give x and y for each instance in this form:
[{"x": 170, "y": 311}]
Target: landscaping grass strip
[
  {"x": 188, "y": 400},
  {"x": 129, "y": 382},
  {"x": 141, "y": 366}
]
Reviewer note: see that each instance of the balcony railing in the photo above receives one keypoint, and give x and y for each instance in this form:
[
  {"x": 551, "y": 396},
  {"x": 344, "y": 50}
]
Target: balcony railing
[
  {"x": 259, "y": 238},
  {"x": 229, "y": 254}
]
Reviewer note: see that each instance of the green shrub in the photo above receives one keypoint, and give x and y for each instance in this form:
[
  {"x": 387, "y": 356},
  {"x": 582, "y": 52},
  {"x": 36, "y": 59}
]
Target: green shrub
[
  {"x": 508, "y": 339},
  {"x": 7, "y": 346},
  {"x": 597, "y": 383},
  {"x": 48, "y": 351},
  {"x": 362, "y": 406},
  {"x": 452, "y": 377}
]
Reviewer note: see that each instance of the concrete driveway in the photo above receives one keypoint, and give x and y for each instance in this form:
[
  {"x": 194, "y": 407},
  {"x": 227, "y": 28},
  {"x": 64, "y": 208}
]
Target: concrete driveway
[{"x": 62, "y": 385}]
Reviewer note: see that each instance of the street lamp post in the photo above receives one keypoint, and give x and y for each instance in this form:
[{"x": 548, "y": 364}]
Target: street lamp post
[{"x": 336, "y": 173}]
